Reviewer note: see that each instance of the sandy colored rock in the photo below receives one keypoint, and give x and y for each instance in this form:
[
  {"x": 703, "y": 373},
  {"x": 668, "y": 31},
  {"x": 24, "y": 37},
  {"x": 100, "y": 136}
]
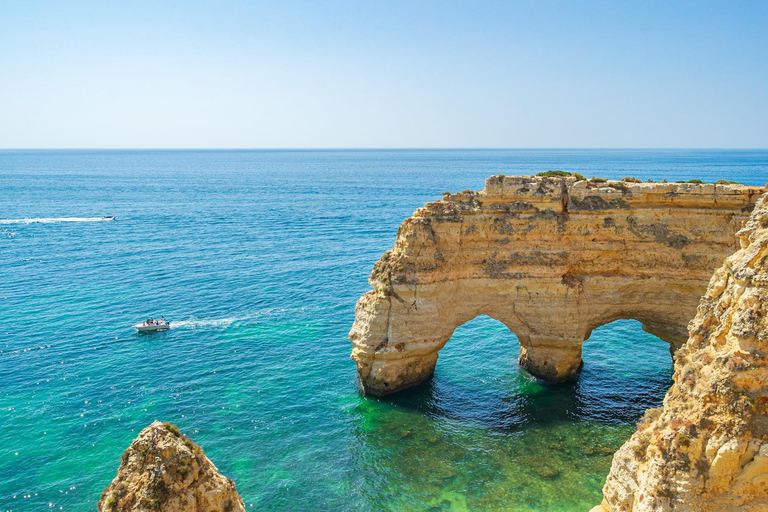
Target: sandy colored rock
[
  {"x": 706, "y": 449},
  {"x": 552, "y": 259},
  {"x": 164, "y": 470}
]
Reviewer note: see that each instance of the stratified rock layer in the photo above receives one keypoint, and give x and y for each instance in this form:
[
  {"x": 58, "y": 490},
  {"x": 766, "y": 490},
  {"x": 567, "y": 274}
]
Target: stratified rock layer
[
  {"x": 164, "y": 470},
  {"x": 706, "y": 449},
  {"x": 552, "y": 259}
]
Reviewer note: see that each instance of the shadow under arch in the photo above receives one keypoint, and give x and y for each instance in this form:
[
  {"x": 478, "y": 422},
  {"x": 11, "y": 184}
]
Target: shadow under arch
[{"x": 477, "y": 379}]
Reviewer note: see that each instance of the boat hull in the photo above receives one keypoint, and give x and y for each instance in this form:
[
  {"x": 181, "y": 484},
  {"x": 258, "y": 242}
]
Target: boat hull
[{"x": 151, "y": 328}]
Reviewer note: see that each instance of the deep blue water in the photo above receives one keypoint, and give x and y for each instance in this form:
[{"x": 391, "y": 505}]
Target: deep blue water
[{"x": 258, "y": 258}]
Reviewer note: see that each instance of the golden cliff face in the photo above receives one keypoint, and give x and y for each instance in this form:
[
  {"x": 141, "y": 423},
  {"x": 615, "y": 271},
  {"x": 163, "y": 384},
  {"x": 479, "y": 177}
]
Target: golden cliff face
[
  {"x": 706, "y": 449},
  {"x": 165, "y": 470},
  {"x": 552, "y": 259}
]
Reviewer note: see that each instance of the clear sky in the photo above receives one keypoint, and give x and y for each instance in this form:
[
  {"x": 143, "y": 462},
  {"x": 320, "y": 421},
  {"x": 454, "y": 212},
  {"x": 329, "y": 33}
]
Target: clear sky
[{"x": 316, "y": 74}]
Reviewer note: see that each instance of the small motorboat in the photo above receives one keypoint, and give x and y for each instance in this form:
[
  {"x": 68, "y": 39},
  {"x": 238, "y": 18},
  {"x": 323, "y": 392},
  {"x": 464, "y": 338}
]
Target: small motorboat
[
  {"x": 152, "y": 325},
  {"x": 108, "y": 217}
]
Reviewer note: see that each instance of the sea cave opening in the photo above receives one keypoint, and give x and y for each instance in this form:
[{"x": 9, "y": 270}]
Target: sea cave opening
[
  {"x": 626, "y": 371},
  {"x": 477, "y": 378}
]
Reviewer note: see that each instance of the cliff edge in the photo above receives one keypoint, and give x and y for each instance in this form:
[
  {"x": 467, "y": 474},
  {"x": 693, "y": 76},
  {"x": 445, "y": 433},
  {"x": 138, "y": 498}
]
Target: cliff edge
[
  {"x": 706, "y": 449},
  {"x": 164, "y": 470}
]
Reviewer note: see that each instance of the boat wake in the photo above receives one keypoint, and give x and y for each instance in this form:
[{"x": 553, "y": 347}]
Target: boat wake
[
  {"x": 52, "y": 220},
  {"x": 212, "y": 323},
  {"x": 200, "y": 324}
]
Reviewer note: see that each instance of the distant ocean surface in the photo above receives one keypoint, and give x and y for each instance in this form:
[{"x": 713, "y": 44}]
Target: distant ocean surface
[{"x": 258, "y": 257}]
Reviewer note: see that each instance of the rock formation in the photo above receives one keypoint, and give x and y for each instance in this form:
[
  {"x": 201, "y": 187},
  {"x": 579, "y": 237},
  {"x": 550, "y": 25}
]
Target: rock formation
[
  {"x": 706, "y": 449},
  {"x": 552, "y": 259},
  {"x": 164, "y": 470}
]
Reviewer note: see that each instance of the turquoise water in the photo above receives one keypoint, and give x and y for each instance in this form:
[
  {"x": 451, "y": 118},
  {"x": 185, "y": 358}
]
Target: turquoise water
[{"x": 258, "y": 258}]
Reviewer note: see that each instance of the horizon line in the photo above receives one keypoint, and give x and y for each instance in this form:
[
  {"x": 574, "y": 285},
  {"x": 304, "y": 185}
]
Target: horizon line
[{"x": 403, "y": 148}]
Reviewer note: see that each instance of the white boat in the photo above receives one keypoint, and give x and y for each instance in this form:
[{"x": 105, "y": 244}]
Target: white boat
[{"x": 153, "y": 325}]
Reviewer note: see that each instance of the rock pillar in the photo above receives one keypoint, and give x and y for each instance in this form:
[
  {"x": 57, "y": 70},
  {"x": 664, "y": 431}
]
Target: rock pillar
[
  {"x": 555, "y": 360},
  {"x": 382, "y": 377}
]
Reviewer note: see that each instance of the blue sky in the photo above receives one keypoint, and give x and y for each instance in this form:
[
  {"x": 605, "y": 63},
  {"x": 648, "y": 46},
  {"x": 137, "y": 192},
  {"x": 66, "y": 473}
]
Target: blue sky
[{"x": 348, "y": 74}]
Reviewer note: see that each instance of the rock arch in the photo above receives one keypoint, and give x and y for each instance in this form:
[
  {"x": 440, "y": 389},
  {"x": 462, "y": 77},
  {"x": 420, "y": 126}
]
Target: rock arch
[{"x": 552, "y": 259}]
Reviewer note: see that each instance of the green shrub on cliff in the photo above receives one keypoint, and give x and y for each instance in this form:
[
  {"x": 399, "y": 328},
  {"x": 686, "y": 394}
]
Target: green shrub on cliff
[
  {"x": 631, "y": 179},
  {"x": 173, "y": 429},
  {"x": 554, "y": 174},
  {"x": 595, "y": 179},
  {"x": 726, "y": 182},
  {"x": 111, "y": 502},
  {"x": 561, "y": 174}
]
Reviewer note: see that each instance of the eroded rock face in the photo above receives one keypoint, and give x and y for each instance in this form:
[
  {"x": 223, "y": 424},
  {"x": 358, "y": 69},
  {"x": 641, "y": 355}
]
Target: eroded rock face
[
  {"x": 706, "y": 449},
  {"x": 164, "y": 470},
  {"x": 552, "y": 259}
]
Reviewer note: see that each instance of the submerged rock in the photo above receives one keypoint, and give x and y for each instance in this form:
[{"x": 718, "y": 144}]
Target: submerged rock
[
  {"x": 164, "y": 470},
  {"x": 706, "y": 449}
]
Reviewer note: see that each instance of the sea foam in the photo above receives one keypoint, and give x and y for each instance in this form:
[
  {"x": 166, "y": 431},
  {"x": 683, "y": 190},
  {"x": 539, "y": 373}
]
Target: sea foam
[{"x": 52, "y": 220}]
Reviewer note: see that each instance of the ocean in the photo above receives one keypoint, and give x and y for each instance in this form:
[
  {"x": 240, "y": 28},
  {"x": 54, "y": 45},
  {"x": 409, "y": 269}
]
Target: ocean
[{"x": 257, "y": 258}]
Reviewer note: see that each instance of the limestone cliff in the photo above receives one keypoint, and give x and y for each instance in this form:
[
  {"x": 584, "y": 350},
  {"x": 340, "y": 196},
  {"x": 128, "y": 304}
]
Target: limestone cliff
[
  {"x": 706, "y": 449},
  {"x": 164, "y": 470},
  {"x": 552, "y": 259}
]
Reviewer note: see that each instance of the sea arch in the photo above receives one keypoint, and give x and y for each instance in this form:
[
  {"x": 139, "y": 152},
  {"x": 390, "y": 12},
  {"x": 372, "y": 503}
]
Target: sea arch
[{"x": 550, "y": 258}]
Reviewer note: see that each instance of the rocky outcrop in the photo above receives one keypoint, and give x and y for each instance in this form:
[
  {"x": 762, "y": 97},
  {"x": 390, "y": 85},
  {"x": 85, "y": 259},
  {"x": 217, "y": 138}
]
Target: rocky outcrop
[
  {"x": 552, "y": 259},
  {"x": 706, "y": 449},
  {"x": 164, "y": 470}
]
